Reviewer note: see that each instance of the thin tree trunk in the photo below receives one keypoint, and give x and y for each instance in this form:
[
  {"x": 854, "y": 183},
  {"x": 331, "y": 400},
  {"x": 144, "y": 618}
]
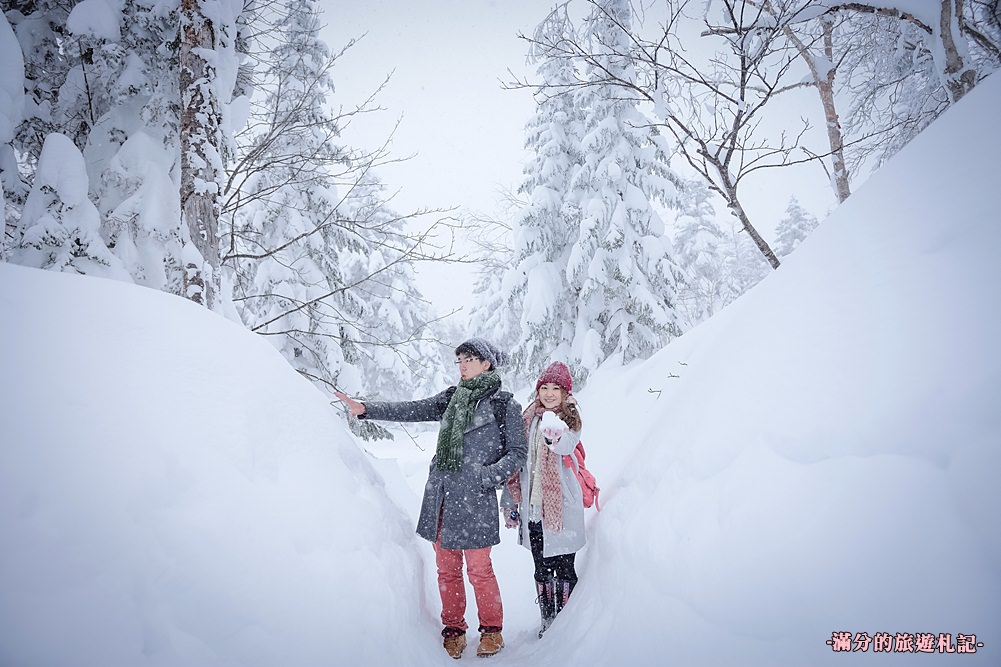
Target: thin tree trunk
[
  {"x": 825, "y": 87},
  {"x": 737, "y": 209},
  {"x": 200, "y": 155},
  {"x": 745, "y": 222}
]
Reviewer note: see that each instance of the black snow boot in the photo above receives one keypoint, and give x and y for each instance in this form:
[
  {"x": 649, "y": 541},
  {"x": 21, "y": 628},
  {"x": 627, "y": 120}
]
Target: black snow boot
[
  {"x": 563, "y": 588},
  {"x": 547, "y": 603}
]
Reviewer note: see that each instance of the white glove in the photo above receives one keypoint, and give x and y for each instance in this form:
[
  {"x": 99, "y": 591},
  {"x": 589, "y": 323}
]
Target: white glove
[{"x": 552, "y": 427}]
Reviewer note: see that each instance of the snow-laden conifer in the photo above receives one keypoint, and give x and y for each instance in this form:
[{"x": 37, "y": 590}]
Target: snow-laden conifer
[
  {"x": 207, "y": 60},
  {"x": 620, "y": 265},
  {"x": 536, "y": 286},
  {"x": 11, "y": 114},
  {"x": 39, "y": 27},
  {"x": 390, "y": 342},
  {"x": 282, "y": 257},
  {"x": 314, "y": 254},
  {"x": 132, "y": 145},
  {"x": 59, "y": 227},
  {"x": 698, "y": 242},
  {"x": 494, "y": 311},
  {"x": 794, "y": 227},
  {"x": 718, "y": 260}
]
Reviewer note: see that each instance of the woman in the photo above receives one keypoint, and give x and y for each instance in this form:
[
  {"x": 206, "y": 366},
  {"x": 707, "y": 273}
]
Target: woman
[{"x": 544, "y": 498}]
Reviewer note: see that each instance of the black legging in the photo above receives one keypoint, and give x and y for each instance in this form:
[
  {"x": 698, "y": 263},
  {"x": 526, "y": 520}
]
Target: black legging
[{"x": 559, "y": 567}]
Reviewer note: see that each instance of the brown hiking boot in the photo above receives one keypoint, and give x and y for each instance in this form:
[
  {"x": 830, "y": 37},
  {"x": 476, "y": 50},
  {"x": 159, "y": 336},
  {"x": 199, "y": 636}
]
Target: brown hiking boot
[
  {"x": 455, "y": 645},
  {"x": 490, "y": 644}
]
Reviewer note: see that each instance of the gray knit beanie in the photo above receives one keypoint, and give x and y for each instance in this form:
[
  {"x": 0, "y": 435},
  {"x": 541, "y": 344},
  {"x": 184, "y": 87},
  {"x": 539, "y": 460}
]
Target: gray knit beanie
[{"x": 485, "y": 350}]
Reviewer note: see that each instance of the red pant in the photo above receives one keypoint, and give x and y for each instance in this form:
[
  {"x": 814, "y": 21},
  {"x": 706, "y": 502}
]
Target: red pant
[{"x": 453, "y": 588}]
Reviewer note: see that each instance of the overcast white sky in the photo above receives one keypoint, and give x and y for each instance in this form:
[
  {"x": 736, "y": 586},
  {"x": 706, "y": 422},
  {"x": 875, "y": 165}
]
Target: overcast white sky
[{"x": 448, "y": 59}]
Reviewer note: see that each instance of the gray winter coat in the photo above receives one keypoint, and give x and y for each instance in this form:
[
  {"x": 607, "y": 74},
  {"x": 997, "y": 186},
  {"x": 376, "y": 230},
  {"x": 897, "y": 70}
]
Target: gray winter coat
[{"x": 466, "y": 499}]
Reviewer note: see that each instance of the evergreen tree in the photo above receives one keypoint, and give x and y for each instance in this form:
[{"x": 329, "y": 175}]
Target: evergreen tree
[
  {"x": 495, "y": 311},
  {"x": 702, "y": 291},
  {"x": 392, "y": 343},
  {"x": 318, "y": 263},
  {"x": 153, "y": 97},
  {"x": 110, "y": 83},
  {"x": 545, "y": 228},
  {"x": 133, "y": 145},
  {"x": 11, "y": 114},
  {"x": 39, "y": 26},
  {"x": 620, "y": 265},
  {"x": 745, "y": 265},
  {"x": 208, "y": 66},
  {"x": 59, "y": 227},
  {"x": 793, "y": 228},
  {"x": 718, "y": 260}
]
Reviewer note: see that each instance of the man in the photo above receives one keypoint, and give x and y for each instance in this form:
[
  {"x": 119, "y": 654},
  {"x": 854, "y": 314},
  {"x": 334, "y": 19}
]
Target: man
[{"x": 459, "y": 513}]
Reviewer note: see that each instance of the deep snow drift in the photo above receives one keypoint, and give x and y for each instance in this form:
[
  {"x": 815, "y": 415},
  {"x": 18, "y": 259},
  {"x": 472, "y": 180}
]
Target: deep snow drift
[{"x": 820, "y": 457}]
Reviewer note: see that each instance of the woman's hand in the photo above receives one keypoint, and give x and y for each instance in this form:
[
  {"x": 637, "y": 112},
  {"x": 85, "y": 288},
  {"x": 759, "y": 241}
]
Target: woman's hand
[
  {"x": 552, "y": 427},
  {"x": 511, "y": 518},
  {"x": 354, "y": 407}
]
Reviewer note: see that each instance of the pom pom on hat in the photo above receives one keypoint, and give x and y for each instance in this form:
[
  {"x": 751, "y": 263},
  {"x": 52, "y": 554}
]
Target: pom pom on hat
[{"x": 556, "y": 373}]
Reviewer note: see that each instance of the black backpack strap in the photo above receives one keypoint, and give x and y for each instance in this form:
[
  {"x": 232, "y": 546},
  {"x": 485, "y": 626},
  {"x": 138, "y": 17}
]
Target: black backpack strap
[{"x": 500, "y": 401}]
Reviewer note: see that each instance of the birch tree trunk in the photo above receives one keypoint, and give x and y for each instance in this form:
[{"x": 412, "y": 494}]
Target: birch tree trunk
[
  {"x": 960, "y": 76},
  {"x": 824, "y": 82},
  {"x": 733, "y": 202},
  {"x": 200, "y": 155}
]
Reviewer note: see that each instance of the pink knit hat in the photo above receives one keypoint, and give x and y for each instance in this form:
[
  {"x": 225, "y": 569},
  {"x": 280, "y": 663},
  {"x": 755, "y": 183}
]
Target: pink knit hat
[{"x": 556, "y": 373}]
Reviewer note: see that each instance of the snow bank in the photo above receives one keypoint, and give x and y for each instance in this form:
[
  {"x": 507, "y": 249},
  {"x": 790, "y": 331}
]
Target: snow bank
[
  {"x": 822, "y": 455},
  {"x": 172, "y": 494}
]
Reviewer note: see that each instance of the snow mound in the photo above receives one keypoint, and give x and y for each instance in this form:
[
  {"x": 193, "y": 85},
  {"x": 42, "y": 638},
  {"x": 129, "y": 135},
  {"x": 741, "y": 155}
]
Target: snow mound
[
  {"x": 171, "y": 493},
  {"x": 822, "y": 455}
]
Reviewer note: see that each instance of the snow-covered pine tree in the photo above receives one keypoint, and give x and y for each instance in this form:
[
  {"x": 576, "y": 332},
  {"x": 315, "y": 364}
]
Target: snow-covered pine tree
[
  {"x": 39, "y": 26},
  {"x": 793, "y": 228},
  {"x": 132, "y": 146},
  {"x": 620, "y": 265},
  {"x": 718, "y": 260},
  {"x": 11, "y": 114},
  {"x": 546, "y": 226},
  {"x": 698, "y": 239},
  {"x": 59, "y": 227},
  {"x": 390, "y": 341},
  {"x": 283, "y": 203},
  {"x": 745, "y": 265},
  {"x": 493, "y": 313},
  {"x": 313, "y": 252},
  {"x": 107, "y": 76}
]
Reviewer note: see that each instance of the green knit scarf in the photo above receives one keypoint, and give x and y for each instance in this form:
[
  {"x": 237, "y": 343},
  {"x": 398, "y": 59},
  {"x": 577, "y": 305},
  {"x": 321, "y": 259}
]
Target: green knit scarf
[{"x": 457, "y": 416}]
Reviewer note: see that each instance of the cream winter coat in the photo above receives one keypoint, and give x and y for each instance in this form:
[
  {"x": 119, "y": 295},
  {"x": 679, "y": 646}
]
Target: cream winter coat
[{"x": 572, "y": 538}]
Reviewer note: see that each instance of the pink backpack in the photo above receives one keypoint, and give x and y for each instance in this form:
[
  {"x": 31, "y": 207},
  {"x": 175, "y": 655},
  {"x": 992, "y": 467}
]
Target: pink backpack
[{"x": 588, "y": 484}]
